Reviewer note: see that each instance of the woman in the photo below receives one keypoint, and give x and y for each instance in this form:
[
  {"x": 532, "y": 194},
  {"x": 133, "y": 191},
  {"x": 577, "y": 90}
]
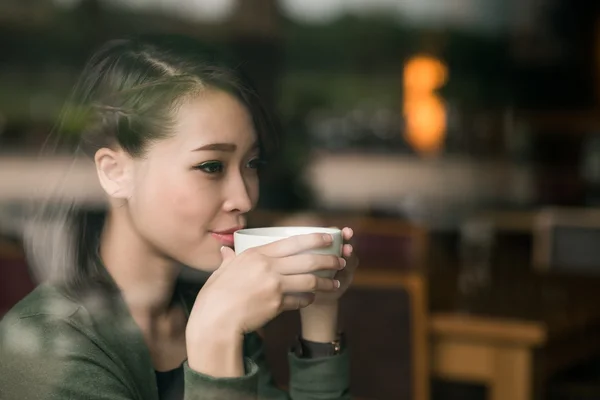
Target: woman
[{"x": 177, "y": 140}]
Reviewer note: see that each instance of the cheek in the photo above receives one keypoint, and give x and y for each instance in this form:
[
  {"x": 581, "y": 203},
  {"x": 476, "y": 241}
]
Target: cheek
[
  {"x": 189, "y": 199},
  {"x": 175, "y": 197}
]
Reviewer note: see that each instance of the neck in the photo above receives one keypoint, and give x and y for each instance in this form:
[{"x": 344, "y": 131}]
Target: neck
[{"x": 146, "y": 279}]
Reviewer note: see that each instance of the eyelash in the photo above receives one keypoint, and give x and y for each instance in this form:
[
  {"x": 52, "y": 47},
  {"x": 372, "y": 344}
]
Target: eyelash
[
  {"x": 217, "y": 167},
  {"x": 209, "y": 166}
]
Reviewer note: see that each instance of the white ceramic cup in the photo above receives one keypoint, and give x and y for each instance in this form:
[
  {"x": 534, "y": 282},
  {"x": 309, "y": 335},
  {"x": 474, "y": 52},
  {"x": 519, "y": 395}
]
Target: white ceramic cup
[{"x": 245, "y": 239}]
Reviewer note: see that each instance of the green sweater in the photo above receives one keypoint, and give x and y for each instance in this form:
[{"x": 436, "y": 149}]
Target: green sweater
[{"x": 55, "y": 345}]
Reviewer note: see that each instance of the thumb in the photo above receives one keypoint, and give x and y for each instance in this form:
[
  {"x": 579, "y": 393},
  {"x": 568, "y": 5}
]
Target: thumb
[{"x": 227, "y": 253}]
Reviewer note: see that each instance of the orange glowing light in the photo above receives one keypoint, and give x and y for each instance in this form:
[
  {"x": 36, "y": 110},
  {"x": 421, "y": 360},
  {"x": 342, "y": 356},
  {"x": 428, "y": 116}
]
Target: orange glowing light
[{"x": 424, "y": 110}]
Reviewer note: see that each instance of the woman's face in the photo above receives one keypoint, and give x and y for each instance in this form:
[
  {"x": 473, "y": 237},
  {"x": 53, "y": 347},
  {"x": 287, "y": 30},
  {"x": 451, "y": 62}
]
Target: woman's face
[{"x": 191, "y": 190}]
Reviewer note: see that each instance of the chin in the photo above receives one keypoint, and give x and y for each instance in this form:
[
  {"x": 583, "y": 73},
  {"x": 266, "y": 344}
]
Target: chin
[{"x": 206, "y": 262}]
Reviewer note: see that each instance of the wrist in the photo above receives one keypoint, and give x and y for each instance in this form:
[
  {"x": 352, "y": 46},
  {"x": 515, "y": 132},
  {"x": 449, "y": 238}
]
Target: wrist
[
  {"x": 215, "y": 352},
  {"x": 320, "y": 322},
  {"x": 307, "y": 349}
]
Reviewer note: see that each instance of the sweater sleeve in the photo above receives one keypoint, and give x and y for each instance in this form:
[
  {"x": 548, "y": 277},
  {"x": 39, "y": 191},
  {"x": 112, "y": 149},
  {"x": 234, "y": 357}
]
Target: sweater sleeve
[
  {"x": 203, "y": 387},
  {"x": 326, "y": 378}
]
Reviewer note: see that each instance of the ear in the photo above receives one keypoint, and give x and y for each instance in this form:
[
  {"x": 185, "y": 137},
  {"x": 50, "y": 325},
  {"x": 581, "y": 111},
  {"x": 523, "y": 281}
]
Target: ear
[{"x": 115, "y": 170}]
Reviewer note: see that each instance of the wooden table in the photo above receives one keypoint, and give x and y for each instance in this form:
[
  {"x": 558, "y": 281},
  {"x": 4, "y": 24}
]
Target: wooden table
[{"x": 514, "y": 341}]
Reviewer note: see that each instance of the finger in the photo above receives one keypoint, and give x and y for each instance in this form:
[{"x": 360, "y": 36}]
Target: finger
[
  {"x": 227, "y": 253},
  {"x": 308, "y": 283},
  {"x": 297, "y": 301},
  {"x": 305, "y": 263},
  {"x": 297, "y": 244},
  {"x": 347, "y": 250},
  {"x": 347, "y": 233}
]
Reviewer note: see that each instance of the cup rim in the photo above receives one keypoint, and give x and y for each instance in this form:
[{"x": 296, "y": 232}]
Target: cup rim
[{"x": 300, "y": 230}]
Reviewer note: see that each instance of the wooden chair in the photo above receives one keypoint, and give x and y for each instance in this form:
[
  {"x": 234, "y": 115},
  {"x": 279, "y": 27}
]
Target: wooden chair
[
  {"x": 15, "y": 280},
  {"x": 555, "y": 239},
  {"x": 384, "y": 313},
  {"x": 565, "y": 240}
]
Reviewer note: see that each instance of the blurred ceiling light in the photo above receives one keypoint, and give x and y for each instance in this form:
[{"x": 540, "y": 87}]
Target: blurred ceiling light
[
  {"x": 313, "y": 10},
  {"x": 424, "y": 110},
  {"x": 477, "y": 14},
  {"x": 325, "y": 10},
  {"x": 200, "y": 10},
  {"x": 212, "y": 10}
]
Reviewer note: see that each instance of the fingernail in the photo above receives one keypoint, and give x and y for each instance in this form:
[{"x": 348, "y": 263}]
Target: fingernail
[
  {"x": 328, "y": 238},
  {"x": 337, "y": 283},
  {"x": 342, "y": 263}
]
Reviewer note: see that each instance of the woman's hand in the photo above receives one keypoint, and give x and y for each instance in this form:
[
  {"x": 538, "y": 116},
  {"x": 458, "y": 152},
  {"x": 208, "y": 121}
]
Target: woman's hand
[
  {"x": 344, "y": 276},
  {"x": 251, "y": 289}
]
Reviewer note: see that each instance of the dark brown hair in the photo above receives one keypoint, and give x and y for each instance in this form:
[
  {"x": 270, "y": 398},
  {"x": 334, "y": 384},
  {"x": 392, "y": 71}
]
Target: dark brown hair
[{"x": 126, "y": 97}]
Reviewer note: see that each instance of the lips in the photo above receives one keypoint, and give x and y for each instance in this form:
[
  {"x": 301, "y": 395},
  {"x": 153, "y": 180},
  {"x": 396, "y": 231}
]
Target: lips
[{"x": 225, "y": 237}]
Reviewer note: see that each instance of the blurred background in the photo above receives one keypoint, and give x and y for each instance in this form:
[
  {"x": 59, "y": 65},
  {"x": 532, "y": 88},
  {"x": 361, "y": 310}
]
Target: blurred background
[{"x": 460, "y": 138}]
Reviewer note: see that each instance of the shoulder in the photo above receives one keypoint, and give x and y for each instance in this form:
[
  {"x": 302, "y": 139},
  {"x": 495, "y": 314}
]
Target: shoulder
[
  {"x": 44, "y": 300},
  {"x": 51, "y": 315},
  {"x": 49, "y": 343},
  {"x": 43, "y": 319},
  {"x": 90, "y": 325}
]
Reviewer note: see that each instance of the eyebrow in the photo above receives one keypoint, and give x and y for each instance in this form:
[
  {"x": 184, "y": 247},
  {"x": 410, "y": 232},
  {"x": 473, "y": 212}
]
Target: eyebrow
[{"x": 228, "y": 147}]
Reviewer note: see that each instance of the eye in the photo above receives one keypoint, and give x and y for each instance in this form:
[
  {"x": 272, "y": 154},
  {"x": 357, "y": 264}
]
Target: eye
[
  {"x": 211, "y": 167},
  {"x": 256, "y": 163}
]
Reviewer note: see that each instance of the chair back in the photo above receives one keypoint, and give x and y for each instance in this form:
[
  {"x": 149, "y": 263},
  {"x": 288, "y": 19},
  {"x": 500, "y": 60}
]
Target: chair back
[{"x": 15, "y": 280}]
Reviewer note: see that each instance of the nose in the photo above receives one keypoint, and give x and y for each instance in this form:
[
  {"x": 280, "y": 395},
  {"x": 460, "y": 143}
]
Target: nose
[{"x": 239, "y": 194}]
